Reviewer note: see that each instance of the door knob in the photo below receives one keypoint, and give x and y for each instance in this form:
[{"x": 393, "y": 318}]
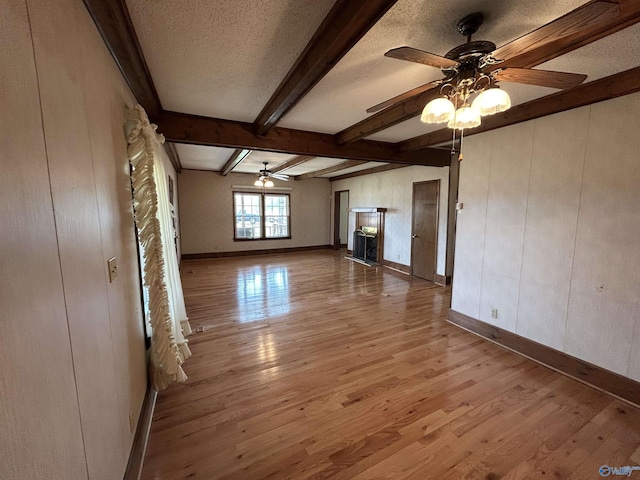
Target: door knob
[{"x": 414, "y": 236}]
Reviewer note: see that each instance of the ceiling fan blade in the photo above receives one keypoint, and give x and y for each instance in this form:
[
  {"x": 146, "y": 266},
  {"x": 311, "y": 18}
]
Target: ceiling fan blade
[
  {"x": 399, "y": 98},
  {"x": 541, "y": 78},
  {"x": 280, "y": 176},
  {"x": 582, "y": 17},
  {"x": 418, "y": 56}
]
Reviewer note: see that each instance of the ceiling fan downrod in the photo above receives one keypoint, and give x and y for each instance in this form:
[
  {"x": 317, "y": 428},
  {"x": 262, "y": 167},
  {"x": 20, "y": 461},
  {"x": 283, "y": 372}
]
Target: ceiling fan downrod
[{"x": 470, "y": 24}]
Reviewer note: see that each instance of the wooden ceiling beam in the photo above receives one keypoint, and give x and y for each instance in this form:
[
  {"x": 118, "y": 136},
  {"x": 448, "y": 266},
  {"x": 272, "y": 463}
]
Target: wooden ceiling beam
[
  {"x": 586, "y": 16},
  {"x": 331, "y": 169},
  {"x": 294, "y": 162},
  {"x": 623, "y": 83},
  {"x": 345, "y": 24},
  {"x": 411, "y": 107},
  {"x": 114, "y": 24},
  {"x": 192, "y": 129},
  {"x": 368, "y": 171},
  {"x": 393, "y": 115},
  {"x": 628, "y": 14},
  {"x": 238, "y": 155}
]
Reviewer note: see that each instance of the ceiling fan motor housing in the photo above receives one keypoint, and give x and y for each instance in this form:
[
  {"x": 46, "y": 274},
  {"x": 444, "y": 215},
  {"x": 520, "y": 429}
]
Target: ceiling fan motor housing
[{"x": 476, "y": 48}]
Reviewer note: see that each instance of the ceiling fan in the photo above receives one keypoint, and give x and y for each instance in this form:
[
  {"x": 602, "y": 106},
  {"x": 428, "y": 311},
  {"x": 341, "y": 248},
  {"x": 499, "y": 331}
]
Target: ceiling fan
[
  {"x": 265, "y": 176},
  {"x": 475, "y": 67}
]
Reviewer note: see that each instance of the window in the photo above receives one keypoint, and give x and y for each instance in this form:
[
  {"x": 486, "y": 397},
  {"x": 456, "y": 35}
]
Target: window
[{"x": 260, "y": 216}]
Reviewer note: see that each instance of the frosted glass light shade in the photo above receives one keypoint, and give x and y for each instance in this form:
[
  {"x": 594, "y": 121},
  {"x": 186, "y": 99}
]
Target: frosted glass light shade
[
  {"x": 257, "y": 183},
  {"x": 438, "y": 110},
  {"x": 492, "y": 100},
  {"x": 466, "y": 117},
  {"x": 268, "y": 183}
]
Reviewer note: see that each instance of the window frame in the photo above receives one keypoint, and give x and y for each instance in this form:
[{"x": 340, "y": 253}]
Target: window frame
[{"x": 262, "y": 216}]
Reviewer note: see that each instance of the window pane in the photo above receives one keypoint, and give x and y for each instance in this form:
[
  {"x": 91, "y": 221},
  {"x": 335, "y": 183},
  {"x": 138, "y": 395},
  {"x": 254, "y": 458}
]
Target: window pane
[
  {"x": 247, "y": 211},
  {"x": 276, "y": 210}
]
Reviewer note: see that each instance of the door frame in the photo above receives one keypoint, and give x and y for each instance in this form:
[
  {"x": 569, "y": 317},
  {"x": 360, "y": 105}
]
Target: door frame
[
  {"x": 435, "y": 250},
  {"x": 336, "y": 218}
]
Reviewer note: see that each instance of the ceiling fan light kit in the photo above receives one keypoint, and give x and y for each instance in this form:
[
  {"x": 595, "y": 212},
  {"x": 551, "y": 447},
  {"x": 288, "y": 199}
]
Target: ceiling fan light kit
[
  {"x": 489, "y": 101},
  {"x": 263, "y": 182}
]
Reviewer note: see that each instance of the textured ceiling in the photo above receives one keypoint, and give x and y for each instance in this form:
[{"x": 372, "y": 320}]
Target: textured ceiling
[
  {"x": 222, "y": 58},
  {"x": 225, "y": 58}
]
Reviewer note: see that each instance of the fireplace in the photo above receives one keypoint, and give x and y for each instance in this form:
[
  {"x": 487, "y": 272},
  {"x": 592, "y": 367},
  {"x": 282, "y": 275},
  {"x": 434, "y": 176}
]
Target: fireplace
[
  {"x": 365, "y": 244},
  {"x": 368, "y": 235}
]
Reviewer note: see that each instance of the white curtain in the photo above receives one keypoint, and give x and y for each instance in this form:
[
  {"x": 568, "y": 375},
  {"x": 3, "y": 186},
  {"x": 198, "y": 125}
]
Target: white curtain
[{"x": 161, "y": 276}]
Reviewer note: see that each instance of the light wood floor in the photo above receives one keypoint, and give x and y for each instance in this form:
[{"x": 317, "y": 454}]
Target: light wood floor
[{"x": 311, "y": 366}]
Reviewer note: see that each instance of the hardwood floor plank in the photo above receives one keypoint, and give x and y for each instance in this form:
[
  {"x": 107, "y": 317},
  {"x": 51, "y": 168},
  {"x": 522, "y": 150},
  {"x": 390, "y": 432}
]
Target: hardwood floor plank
[{"x": 311, "y": 366}]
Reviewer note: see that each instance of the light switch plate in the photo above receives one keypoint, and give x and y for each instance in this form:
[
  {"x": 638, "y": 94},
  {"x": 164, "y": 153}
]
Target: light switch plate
[{"x": 113, "y": 269}]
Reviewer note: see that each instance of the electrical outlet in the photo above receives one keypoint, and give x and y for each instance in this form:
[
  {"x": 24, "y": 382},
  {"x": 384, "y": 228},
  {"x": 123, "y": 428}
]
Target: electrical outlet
[{"x": 494, "y": 313}]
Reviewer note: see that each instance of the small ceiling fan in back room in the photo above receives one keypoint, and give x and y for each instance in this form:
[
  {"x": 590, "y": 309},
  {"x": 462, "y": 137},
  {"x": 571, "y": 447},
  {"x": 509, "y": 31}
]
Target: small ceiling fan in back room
[
  {"x": 472, "y": 71},
  {"x": 265, "y": 176}
]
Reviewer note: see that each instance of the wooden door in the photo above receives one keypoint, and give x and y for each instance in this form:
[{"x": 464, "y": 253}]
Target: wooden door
[{"x": 424, "y": 230}]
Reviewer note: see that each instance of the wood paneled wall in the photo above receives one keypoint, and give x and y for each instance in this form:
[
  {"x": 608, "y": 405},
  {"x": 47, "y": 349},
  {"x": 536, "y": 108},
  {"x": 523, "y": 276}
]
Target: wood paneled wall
[
  {"x": 73, "y": 369},
  {"x": 549, "y": 232}
]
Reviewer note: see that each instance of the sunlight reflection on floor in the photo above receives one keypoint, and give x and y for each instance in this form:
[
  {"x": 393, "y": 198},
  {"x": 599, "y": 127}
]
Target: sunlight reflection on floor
[{"x": 263, "y": 292}]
